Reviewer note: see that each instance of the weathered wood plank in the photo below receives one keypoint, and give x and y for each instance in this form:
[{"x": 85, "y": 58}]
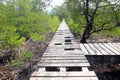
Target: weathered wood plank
[
  {"x": 111, "y": 49},
  {"x": 114, "y": 47},
  {"x": 106, "y": 49},
  {"x": 63, "y": 61},
  {"x": 85, "y": 69},
  {"x": 115, "y": 44},
  {"x": 64, "y": 74},
  {"x": 64, "y": 57},
  {"x": 118, "y": 44},
  {"x": 100, "y": 49},
  {"x": 84, "y": 49},
  {"x": 63, "y": 78},
  {"x": 63, "y": 53},
  {"x": 75, "y": 46},
  {"x": 89, "y": 49},
  {"x": 66, "y": 53},
  {"x": 63, "y": 64},
  {"x": 96, "y": 51}
]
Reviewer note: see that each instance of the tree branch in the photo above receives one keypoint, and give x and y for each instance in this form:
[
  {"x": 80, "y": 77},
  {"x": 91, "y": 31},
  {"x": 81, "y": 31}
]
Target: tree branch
[
  {"x": 86, "y": 10},
  {"x": 104, "y": 29},
  {"x": 96, "y": 8}
]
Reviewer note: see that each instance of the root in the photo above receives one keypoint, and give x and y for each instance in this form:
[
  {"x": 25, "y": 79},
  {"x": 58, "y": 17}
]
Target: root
[{"x": 2, "y": 76}]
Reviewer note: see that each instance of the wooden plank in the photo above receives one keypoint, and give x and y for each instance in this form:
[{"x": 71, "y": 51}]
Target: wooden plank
[
  {"x": 54, "y": 48},
  {"x": 77, "y": 46},
  {"x": 64, "y": 74},
  {"x": 62, "y": 69},
  {"x": 115, "y": 44},
  {"x": 62, "y": 64},
  {"x": 100, "y": 49},
  {"x": 112, "y": 49},
  {"x": 66, "y": 53},
  {"x": 63, "y": 61},
  {"x": 62, "y": 54},
  {"x": 96, "y": 51},
  {"x": 78, "y": 51},
  {"x": 63, "y": 78},
  {"x": 65, "y": 57},
  {"x": 74, "y": 54},
  {"x": 106, "y": 49},
  {"x": 85, "y": 69},
  {"x": 115, "y": 47},
  {"x": 72, "y": 46},
  {"x": 58, "y": 51},
  {"x": 57, "y": 55},
  {"x": 84, "y": 49},
  {"x": 41, "y": 70},
  {"x": 89, "y": 49},
  {"x": 74, "y": 51},
  {"x": 118, "y": 44}
]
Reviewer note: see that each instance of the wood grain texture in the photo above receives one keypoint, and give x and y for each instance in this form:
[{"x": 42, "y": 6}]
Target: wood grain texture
[{"x": 100, "y": 48}]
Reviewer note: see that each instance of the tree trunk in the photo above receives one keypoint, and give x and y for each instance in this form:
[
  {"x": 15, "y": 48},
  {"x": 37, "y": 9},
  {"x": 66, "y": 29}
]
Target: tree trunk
[
  {"x": 83, "y": 40},
  {"x": 86, "y": 33}
]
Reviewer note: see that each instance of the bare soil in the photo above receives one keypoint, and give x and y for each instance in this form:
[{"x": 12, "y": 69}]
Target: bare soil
[
  {"x": 99, "y": 39},
  {"x": 105, "y": 39}
]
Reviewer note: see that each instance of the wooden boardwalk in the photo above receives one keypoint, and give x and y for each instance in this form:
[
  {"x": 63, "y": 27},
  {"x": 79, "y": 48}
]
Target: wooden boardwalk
[
  {"x": 63, "y": 59},
  {"x": 101, "y": 48}
]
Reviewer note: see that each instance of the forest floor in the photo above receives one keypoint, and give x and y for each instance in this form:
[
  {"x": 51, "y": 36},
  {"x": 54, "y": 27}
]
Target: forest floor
[
  {"x": 8, "y": 72},
  {"x": 99, "y": 39},
  {"x": 104, "y": 39}
]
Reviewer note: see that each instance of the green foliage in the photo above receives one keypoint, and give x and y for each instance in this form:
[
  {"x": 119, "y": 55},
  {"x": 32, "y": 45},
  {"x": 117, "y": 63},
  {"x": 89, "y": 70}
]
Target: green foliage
[
  {"x": 37, "y": 37},
  {"x": 106, "y": 16},
  {"x": 115, "y": 32},
  {"x": 73, "y": 26},
  {"x": 55, "y": 22},
  {"x": 14, "y": 41},
  {"x": 20, "y": 20},
  {"x": 61, "y": 12},
  {"x": 16, "y": 62},
  {"x": 9, "y": 38},
  {"x": 26, "y": 55},
  {"x": 38, "y": 5},
  {"x": 29, "y": 22}
]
